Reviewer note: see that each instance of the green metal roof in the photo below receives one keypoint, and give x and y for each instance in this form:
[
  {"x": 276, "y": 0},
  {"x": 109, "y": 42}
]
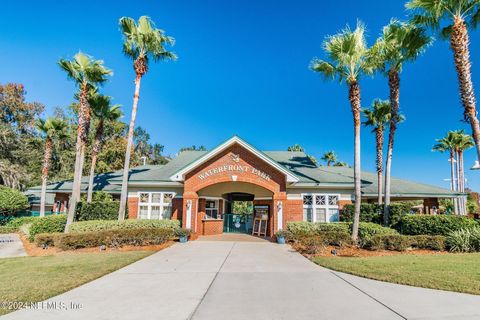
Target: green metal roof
[{"x": 296, "y": 162}]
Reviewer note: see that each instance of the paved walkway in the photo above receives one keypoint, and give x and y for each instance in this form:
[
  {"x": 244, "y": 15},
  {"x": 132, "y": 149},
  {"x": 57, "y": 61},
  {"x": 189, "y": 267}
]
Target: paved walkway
[
  {"x": 247, "y": 280},
  {"x": 11, "y": 246}
]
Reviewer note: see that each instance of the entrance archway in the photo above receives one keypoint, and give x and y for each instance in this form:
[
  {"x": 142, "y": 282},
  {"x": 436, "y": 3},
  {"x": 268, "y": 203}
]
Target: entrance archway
[{"x": 217, "y": 210}]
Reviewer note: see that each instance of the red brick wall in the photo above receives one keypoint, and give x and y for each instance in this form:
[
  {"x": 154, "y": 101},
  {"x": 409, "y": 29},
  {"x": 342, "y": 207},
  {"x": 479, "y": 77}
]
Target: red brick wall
[
  {"x": 276, "y": 183},
  {"x": 212, "y": 227},
  {"x": 132, "y": 207},
  {"x": 294, "y": 210},
  {"x": 177, "y": 207}
]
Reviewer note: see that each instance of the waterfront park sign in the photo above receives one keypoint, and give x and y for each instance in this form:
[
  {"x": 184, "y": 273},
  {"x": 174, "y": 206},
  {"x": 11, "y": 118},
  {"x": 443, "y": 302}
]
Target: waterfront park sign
[{"x": 232, "y": 169}]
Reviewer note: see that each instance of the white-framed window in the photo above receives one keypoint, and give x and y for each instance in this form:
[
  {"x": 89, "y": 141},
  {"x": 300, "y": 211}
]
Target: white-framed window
[
  {"x": 211, "y": 209},
  {"x": 320, "y": 207},
  {"x": 155, "y": 205}
]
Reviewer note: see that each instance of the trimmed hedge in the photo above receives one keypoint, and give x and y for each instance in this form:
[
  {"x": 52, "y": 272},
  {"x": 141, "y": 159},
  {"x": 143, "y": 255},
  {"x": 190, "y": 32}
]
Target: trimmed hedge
[
  {"x": 436, "y": 243},
  {"x": 394, "y": 242},
  {"x": 113, "y": 238},
  {"x": 18, "y": 222},
  {"x": 98, "y": 210},
  {"x": 367, "y": 230},
  {"x": 47, "y": 239},
  {"x": 371, "y": 212},
  {"x": 304, "y": 228},
  {"x": 99, "y": 225},
  {"x": 434, "y": 224},
  {"x": 49, "y": 224}
]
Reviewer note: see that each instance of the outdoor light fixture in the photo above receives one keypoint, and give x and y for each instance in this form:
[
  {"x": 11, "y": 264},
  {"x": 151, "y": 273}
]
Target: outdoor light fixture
[
  {"x": 476, "y": 166},
  {"x": 189, "y": 204}
]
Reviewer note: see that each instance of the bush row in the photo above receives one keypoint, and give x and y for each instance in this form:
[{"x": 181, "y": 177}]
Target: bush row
[
  {"x": 108, "y": 238},
  {"x": 99, "y": 225},
  {"x": 98, "y": 210},
  {"x": 48, "y": 224},
  {"x": 434, "y": 224},
  {"x": 371, "y": 212},
  {"x": 398, "y": 242}
]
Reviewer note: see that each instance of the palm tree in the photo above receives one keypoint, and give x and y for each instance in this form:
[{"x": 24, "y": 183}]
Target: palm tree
[
  {"x": 463, "y": 142},
  {"x": 87, "y": 74},
  {"x": 399, "y": 43},
  {"x": 460, "y": 15},
  {"x": 51, "y": 129},
  {"x": 449, "y": 144},
  {"x": 103, "y": 111},
  {"x": 346, "y": 52},
  {"x": 142, "y": 42},
  {"x": 295, "y": 147},
  {"x": 378, "y": 116},
  {"x": 329, "y": 157}
]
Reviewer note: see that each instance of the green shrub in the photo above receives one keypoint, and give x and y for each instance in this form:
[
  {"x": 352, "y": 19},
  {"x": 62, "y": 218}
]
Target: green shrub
[
  {"x": 48, "y": 224},
  {"x": 435, "y": 224},
  {"x": 98, "y": 225},
  {"x": 114, "y": 238},
  {"x": 460, "y": 241},
  {"x": 428, "y": 242},
  {"x": 395, "y": 242},
  {"x": 46, "y": 239},
  {"x": 337, "y": 238},
  {"x": 475, "y": 239},
  {"x": 371, "y": 212},
  {"x": 366, "y": 230},
  {"x": 5, "y": 229},
  {"x": 12, "y": 201},
  {"x": 18, "y": 222},
  {"x": 98, "y": 210},
  {"x": 304, "y": 228},
  {"x": 311, "y": 244}
]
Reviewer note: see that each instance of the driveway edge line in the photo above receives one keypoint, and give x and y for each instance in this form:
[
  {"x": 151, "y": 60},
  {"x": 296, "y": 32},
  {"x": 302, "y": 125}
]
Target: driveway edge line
[
  {"x": 370, "y": 296},
  {"x": 211, "y": 283}
]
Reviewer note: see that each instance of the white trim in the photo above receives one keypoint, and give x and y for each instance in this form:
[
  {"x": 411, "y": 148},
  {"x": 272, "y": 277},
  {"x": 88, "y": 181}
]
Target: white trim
[
  {"x": 180, "y": 175},
  {"x": 321, "y": 185},
  {"x": 262, "y": 198}
]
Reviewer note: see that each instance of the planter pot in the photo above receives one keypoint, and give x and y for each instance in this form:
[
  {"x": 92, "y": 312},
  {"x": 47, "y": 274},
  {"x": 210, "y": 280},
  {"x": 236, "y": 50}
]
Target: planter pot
[
  {"x": 183, "y": 239},
  {"x": 281, "y": 240}
]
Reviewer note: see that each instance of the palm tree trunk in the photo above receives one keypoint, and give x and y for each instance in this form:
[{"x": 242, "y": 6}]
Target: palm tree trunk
[
  {"x": 459, "y": 41},
  {"x": 394, "y": 86},
  {"x": 126, "y": 166},
  {"x": 462, "y": 182},
  {"x": 379, "y": 147},
  {"x": 452, "y": 179},
  {"x": 97, "y": 145},
  {"x": 46, "y": 164},
  {"x": 355, "y": 102},
  {"x": 82, "y": 135}
]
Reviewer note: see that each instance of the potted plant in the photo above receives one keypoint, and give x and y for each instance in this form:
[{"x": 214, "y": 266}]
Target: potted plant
[
  {"x": 182, "y": 234},
  {"x": 281, "y": 235}
]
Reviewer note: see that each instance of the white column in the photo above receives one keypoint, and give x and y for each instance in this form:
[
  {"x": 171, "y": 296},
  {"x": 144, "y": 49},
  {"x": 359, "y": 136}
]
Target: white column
[
  {"x": 279, "y": 215},
  {"x": 188, "y": 223}
]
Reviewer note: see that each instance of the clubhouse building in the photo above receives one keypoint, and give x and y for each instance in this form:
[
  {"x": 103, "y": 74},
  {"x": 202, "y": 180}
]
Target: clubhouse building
[{"x": 199, "y": 188}]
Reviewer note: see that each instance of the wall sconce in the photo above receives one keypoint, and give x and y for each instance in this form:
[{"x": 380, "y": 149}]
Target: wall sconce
[
  {"x": 279, "y": 205},
  {"x": 189, "y": 204}
]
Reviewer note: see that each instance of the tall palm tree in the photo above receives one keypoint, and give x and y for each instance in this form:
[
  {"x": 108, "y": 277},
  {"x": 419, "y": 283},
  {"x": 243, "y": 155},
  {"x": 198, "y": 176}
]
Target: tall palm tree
[
  {"x": 104, "y": 112},
  {"x": 399, "y": 43},
  {"x": 459, "y": 15},
  {"x": 87, "y": 74},
  {"x": 51, "y": 129},
  {"x": 296, "y": 147},
  {"x": 142, "y": 42},
  {"x": 329, "y": 157},
  {"x": 377, "y": 117},
  {"x": 463, "y": 142},
  {"x": 449, "y": 144},
  {"x": 346, "y": 60}
]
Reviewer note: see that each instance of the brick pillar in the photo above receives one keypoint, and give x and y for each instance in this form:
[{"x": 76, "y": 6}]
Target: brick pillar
[
  {"x": 132, "y": 207},
  {"x": 177, "y": 208}
]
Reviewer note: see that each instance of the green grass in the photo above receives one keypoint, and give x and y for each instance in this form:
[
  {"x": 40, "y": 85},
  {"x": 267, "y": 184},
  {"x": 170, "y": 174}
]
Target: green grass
[
  {"x": 38, "y": 278},
  {"x": 452, "y": 272}
]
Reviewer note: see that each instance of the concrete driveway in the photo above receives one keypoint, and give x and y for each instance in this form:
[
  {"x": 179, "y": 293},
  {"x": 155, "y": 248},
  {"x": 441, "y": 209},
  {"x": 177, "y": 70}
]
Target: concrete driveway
[{"x": 245, "y": 280}]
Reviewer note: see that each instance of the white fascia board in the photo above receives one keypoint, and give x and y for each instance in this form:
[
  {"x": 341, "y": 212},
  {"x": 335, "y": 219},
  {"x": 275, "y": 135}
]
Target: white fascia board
[
  {"x": 180, "y": 175},
  {"x": 321, "y": 185}
]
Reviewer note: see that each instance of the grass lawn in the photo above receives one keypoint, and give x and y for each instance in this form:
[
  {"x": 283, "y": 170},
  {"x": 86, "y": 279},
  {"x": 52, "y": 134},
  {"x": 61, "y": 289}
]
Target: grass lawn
[
  {"x": 38, "y": 278},
  {"x": 453, "y": 272}
]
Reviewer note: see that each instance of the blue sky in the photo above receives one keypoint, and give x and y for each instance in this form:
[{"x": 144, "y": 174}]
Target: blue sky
[{"x": 242, "y": 69}]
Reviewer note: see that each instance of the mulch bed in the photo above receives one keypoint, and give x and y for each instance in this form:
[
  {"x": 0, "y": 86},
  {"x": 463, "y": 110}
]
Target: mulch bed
[
  {"x": 352, "y": 251},
  {"x": 34, "y": 251}
]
